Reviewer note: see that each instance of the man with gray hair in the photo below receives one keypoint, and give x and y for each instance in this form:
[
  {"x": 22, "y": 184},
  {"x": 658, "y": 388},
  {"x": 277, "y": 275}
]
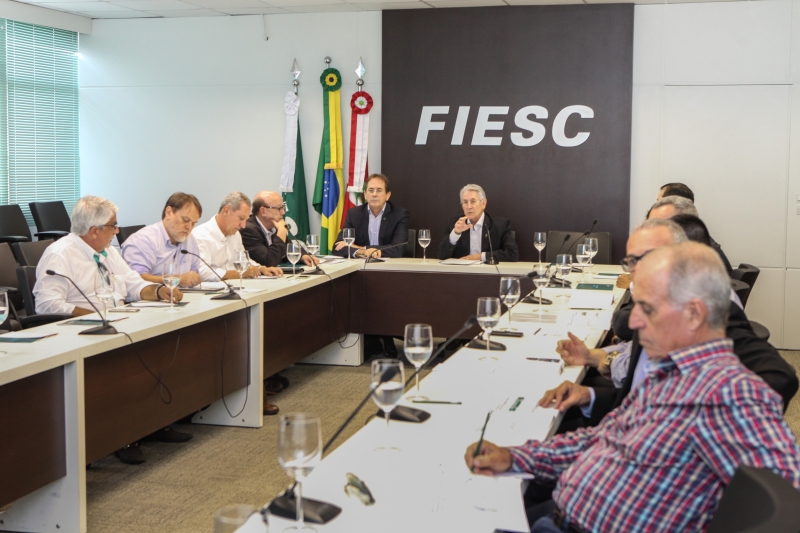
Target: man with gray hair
[
  {"x": 477, "y": 236},
  {"x": 84, "y": 255},
  {"x": 219, "y": 240},
  {"x": 662, "y": 459}
]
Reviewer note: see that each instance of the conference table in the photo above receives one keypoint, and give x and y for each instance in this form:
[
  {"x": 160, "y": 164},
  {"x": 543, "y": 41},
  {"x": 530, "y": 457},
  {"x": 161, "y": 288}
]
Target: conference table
[{"x": 70, "y": 399}]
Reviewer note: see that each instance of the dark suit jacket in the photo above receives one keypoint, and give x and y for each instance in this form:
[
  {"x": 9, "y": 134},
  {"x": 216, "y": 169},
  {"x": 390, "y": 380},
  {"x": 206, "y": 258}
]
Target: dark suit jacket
[
  {"x": 393, "y": 230},
  {"x": 717, "y": 248},
  {"x": 498, "y": 230},
  {"x": 255, "y": 242},
  {"x": 757, "y": 355}
]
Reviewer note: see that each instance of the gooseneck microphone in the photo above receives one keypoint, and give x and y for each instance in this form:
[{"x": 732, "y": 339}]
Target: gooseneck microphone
[
  {"x": 106, "y": 328},
  {"x": 230, "y": 295}
]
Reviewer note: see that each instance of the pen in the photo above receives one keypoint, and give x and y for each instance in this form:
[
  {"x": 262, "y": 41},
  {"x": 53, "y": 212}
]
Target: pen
[
  {"x": 436, "y": 402},
  {"x": 480, "y": 441},
  {"x": 537, "y": 331},
  {"x": 544, "y": 359}
]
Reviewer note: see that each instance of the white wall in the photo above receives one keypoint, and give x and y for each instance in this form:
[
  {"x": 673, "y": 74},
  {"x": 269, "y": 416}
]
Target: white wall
[{"x": 196, "y": 105}]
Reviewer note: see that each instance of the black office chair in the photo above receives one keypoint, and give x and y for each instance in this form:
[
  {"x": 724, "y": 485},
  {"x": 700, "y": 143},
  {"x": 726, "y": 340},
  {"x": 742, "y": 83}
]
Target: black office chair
[
  {"x": 741, "y": 289},
  {"x": 749, "y": 274},
  {"x": 411, "y": 245},
  {"x": 127, "y": 231},
  {"x": 757, "y": 500},
  {"x": 14, "y": 227},
  {"x": 51, "y": 218},
  {"x": 26, "y": 276},
  {"x": 29, "y": 253},
  {"x": 8, "y": 275},
  {"x": 566, "y": 242}
]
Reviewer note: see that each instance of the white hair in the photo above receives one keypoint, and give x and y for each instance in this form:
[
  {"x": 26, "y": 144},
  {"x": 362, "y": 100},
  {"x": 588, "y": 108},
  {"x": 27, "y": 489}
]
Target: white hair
[
  {"x": 677, "y": 233},
  {"x": 682, "y": 206},
  {"x": 472, "y": 187},
  {"x": 234, "y": 200},
  {"x": 91, "y": 211}
]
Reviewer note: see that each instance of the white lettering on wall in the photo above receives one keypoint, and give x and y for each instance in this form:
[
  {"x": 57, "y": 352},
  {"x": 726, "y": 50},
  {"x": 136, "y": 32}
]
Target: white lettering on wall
[
  {"x": 426, "y": 124},
  {"x": 561, "y": 120}
]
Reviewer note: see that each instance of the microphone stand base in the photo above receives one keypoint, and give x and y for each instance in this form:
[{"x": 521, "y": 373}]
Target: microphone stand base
[
  {"x": 403, "y": 413},
  {"x": 480, "y": 344},
  {"x": 227, "y": 296},
  {"x": 314, "y": 511},
  {"x": 105, "y": 329},
  {"x": 536, "y": 300}
]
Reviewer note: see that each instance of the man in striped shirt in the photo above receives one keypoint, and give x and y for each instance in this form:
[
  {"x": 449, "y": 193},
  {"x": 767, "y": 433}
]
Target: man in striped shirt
[{"x": 662, "y": 459}]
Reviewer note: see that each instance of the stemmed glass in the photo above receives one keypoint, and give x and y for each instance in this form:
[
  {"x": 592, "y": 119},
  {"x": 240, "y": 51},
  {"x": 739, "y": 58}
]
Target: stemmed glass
[
  {"x": 488, "y": 318},
  {"x": 564, "y": 266},
  {"x": 171, "y": 278},
  {"x": 594, "y": 246},
  {"x": 312, "y": 242},
  {"x": 418, "y": 345},
  {"x": 540, "y": 280},
  {"x": 293, "y": 252},
  {"x": 539, "y": 242},
  {"x": 3, "y": 308},
  {"x": 388, "y": 383},
  {"x": 424, "y": 240},
  {"x": 583, "y": 257},
  {"x": 299, "y": 451},
  {"x": 104, "y": 288},
  {"x": 241, "y": 262},
  {"x": 349, "y": 237},
  {"x": 509, "y": 293}
]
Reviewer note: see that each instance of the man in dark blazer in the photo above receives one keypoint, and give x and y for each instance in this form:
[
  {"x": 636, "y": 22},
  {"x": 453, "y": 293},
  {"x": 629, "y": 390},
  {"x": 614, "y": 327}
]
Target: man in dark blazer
[
  {"x": 381, "y": 227},
  {"x": 478, "y": 236},
  {"x": 265, "y": 234}
]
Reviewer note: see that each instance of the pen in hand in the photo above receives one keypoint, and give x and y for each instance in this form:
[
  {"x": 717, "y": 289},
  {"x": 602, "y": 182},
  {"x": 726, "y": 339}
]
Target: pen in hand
[{"x": 480, "y": 441}]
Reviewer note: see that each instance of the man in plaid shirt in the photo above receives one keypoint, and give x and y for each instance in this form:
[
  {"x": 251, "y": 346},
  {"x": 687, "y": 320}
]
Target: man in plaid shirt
[{"x": 662, "y": 459}]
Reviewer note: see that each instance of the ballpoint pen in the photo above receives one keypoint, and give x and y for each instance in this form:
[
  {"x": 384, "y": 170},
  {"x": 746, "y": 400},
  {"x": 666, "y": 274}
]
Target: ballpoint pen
[{"x": 480, "y": 441}]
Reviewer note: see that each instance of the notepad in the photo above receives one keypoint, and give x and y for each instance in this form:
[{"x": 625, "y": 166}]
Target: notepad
[
  {"x": 90, "y": 321},
  {"x": 591, "y": 299},
  {"x": 24, "y": 336},
  {"x": 462, "y": 262},
  {"x": 147, "y": 303}
]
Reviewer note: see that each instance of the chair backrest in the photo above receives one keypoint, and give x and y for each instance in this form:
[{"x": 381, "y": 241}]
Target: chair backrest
[
  {"x": 411, "y": 245},
  {"x": 50, "y": 216},
  {"x": 29, "y": 253},
  {"x": 568, "y": 241},
  {"x": 747, "y": 273},
  {"x": 8, "y": 274},
  {"x": 757, "y": 500},
  {"x": 127, "y": 231},
  {"x": 13, "y": 223},
  {"x": 26, "y": 277},
  {"x": 741, "y": 289}
]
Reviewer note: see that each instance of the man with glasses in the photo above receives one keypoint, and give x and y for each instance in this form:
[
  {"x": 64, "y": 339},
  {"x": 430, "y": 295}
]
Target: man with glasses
[
  {"x": 477, "y": 236},
  {"x": 151, "y": 249},
  {"x": 381, "y": 227},
  {"x": 265, "y": 234}
]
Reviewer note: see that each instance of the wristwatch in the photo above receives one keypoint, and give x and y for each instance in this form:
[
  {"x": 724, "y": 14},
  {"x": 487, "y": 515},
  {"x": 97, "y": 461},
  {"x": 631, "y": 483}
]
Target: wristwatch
[
  {"x": 158, "y": 288},
  {"x": 605, "y": 367}
]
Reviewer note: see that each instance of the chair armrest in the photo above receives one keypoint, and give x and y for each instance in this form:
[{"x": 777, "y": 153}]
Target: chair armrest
[
  {"x": 43, "y": 319},
  {"x": 12, "y": 290},
  {"x": 13, "y": 238},
  {"x": 51, "y": 234}
]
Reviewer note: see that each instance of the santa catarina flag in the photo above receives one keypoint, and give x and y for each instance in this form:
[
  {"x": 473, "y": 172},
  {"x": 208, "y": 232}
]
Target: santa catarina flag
[
  {"x": 293, "y": 175},
  {"x": 360, "y": 105}
]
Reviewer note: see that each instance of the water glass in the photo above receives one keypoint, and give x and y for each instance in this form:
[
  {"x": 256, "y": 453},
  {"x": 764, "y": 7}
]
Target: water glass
[
  {"x": 312, "y": 242},
  {"x": 488, "y": 318},
  {"x": 424, "y": 239},
  {"x": 349, "y": 237},
  {"x": 594, "y": 246},
  {"x": 418, "y": 346},
  {"x": 293, "y": 253},
  {"x": 241, "y": 263},
  {"x": 230, "y": 518},
  {"x": 388, "y": 384},
  {"x": 539, "y": 242},
  {"x": 171, "y": 278},
  {"x": 104, "y": 287},
  {"x": 541, "y": 277},
  {"x": 509, "y": 293},
  {"x": 299, "y": 451},
  {"x": 583, "y": 257}
]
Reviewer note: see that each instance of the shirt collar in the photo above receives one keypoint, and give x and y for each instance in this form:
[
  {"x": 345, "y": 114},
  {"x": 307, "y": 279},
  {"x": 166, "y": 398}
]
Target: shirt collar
[
  {"x": 87, "y": 250},
  {"x": 165, "y": 236},
  {"x": 215, "y": 231},
  {"x": 379, "y": 214},
  {"x": 693, "y": 357},
  {"x": 272, "y": 231},
  {"x": 479, "y": 222}
]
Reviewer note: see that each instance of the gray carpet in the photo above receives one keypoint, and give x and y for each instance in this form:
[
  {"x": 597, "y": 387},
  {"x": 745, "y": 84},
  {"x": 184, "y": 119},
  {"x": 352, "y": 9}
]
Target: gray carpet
[{"x": 181, "y": 485}]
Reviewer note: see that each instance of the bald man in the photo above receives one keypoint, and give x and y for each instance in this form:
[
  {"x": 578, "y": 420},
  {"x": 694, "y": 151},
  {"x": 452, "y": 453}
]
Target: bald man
[{"x": 265, "y": 235}]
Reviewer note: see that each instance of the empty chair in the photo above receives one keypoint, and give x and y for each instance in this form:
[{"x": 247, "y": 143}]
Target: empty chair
[
  {"x": 26, "y": 276},
  {"x": 126, "y": 231},
  {"x": 13, "y": 226},
  {"x": 566, "y": 242},
  {"x": 8, "y": 275},
  {"x": 51, "y": 219},
  {"x": 29, "y": 253},
  {"x": 757, "y": 500},
  {"x": 411, "y": 245}
]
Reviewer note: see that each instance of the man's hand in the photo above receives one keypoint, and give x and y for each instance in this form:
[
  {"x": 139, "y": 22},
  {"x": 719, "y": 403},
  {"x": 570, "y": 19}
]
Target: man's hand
[
  {"x": 161, "y": 293},
  {"x": 281, "y": 230},
  {"x": 574, "y": 352},
  {"x": 472, "y": 257},
  {"x": 624, "y": 281},
  {"x": 270, "y": 271},
  {"x": 492, "y": 459},
  {"x": 177, "y": 295},
  {"x": 341, "y": 244},
  {"x": 369, "y": 252},
  {"x": 462, "y": 225},
  {"x": 565, "y": 396},
  {"x": 190, "y": 279},
  {"x": 310, "y": 260},
  {"x": 251, "y": 272}
]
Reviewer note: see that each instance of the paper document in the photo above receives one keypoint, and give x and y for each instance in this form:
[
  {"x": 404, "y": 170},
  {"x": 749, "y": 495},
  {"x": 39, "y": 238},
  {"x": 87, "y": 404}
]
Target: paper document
[
  {"x": 213, "y": 285},
  {"x": 591, "y": 300},
  {"x": 148, "y": 303},
  {"x": 454, "y": 261},
  {"x": 25, "y": 336}
]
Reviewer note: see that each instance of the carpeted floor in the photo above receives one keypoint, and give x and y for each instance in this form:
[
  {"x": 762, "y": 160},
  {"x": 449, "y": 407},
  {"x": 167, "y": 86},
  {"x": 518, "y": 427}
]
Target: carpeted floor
[{"x": 181, "y": 485}]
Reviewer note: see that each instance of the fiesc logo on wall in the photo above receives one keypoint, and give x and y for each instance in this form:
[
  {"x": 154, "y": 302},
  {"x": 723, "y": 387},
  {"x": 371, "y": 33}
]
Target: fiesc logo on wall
[{"x": 486, "y": 121}]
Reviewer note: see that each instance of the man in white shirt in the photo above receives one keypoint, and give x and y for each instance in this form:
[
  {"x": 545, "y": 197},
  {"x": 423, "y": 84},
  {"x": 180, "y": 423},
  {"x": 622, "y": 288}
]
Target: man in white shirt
[
  {"x": 151, "y": 249},
  {"x": 219, "y": 241},
  {"x": 81, "y": 255},
  {"x": 85, "y": 255}
]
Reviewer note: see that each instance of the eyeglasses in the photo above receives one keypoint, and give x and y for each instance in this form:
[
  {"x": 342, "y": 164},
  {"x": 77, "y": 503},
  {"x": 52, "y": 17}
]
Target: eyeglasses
[
  {"x": 471, "y": 201},
  {"x": 629, "y": 261},
  {"x": 283, "y": 207},
  {"x": 112, "y": 226}
]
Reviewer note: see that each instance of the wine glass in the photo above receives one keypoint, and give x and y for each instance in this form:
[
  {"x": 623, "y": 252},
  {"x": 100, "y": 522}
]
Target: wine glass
[
  {"x": 230, "y": 518},
  {"x": 424, "y": 240},
  {"x": 388, "y": 383},
  {"x": 488, "y": 318},
  {"x": 541, "y": 278},
  {"x": 583, "y": 257},
  {"x": 312, "y": 242},
  {"x": 104, "y": 288},
  {"x": 241, "y": 263},
  {"x": 564, "y": 266},
  {"x": 539, "y": 242},
  {"x": 594, "y": 246},
  {"x": 171, "y": 278},
  {"x": 509, "y": 293},
  {"x": 418, "y": 345},
  {"x": 349, "y": 237},
  {"x": 3, "y": 308},
  {"x": 299, "y": 451},
  {"x": 293, "y": 252}
]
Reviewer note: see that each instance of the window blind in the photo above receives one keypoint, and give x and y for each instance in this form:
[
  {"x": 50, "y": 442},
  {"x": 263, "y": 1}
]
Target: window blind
[{"x": 40, "y": 157}]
